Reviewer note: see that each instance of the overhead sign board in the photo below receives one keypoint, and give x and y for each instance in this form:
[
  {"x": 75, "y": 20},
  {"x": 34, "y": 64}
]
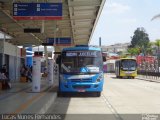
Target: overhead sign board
[
  {"x": 58, "y": 41},
  {"x": 37, "y": 11}
]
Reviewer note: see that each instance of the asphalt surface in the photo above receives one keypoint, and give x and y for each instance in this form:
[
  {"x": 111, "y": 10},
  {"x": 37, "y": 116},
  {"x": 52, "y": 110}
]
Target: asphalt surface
[{"x": 121, "y": 99}]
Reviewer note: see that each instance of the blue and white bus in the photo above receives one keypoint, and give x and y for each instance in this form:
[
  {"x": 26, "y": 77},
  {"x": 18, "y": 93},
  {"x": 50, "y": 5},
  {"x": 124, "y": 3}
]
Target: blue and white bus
[{"x": 81, "y": 70}]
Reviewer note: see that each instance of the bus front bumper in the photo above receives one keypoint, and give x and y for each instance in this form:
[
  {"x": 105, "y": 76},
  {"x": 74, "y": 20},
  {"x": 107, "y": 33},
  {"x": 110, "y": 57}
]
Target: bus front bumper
[
  {"x": 81, "y": 87},
  {"x": 128, "y": 73}
]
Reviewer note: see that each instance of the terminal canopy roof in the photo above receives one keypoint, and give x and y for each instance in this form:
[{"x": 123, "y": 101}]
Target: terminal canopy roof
[{"x": 78, "y": 22}]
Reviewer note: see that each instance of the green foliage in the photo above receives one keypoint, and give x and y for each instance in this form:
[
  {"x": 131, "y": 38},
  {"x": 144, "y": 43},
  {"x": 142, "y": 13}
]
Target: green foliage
[
  {"x": 133, "y": 51},
  {"x": 156, "y": 17},
  {"x": 140, "y": 38},
  {"x": 157, "y": 43},
  {"x": 149, "y": 49},
  {"x": 120, "y": 53}
]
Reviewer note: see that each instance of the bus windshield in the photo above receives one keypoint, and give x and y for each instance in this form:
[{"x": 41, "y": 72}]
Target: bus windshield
[
  {"x": 81, "y": 62},
  {"x": 129, "y": 65}
]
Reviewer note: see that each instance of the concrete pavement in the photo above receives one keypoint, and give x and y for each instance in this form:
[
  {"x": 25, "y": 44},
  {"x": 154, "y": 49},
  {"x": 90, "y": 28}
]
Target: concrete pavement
[{"x": 121, "y": 99}]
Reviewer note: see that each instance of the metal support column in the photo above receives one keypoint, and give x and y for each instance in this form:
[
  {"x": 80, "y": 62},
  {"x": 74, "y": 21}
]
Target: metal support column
[
  {"x": 3, "y": 55},
  {"x": 46, "y": 55}
]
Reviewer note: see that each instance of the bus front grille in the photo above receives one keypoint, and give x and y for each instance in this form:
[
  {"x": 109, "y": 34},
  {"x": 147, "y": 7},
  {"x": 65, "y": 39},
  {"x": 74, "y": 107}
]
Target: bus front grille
[
  {"x": 81, "y": 80},
  {"x": 81, "y": 86}
]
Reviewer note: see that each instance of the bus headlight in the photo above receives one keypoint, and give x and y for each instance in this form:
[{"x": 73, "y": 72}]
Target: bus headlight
[
  {"x": 63, "y": 79},
  {"x": 100, "y": 77}
]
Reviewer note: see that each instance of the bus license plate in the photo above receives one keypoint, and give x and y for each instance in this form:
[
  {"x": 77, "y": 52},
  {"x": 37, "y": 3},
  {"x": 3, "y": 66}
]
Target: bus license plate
[
  {"x": 81, "y": 90},
  {"x": 128, "y": 73}
]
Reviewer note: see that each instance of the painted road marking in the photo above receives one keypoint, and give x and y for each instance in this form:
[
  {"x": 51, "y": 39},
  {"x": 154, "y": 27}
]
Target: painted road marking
[
  {"x": 29, "y": 102},
  {"x": 113, "y": 110},
  {"x": 9, "y": 94}
]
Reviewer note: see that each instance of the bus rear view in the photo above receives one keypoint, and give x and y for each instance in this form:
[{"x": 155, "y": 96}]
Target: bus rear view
[{"x": 81, "y": 70}]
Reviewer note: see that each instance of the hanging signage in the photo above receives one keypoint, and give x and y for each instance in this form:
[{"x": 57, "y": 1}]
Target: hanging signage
[
  {"x": 66, "y": 41},
  {"x": 37, "y": 11},
  {"x": 32, "y": 30}
]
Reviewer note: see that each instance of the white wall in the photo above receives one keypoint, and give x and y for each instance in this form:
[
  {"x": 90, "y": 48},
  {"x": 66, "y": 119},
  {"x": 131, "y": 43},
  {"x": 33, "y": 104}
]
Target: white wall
[
  {"x": 1, "y": 46},
  {"x": 14, "y": 68},
  {"x": 14, "y": 59},
  {"x": 10, "y": 49},
  {"x": 110, "y": 65},
  {"x": 11, "y": 68}
]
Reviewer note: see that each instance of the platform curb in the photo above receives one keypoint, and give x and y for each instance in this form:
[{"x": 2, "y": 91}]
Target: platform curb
[{"x": 149, "y": 80}]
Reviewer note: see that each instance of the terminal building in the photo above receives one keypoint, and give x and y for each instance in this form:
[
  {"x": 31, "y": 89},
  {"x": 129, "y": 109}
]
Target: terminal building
[
  {"x": 51, "y": 23},
  {"x": 120, "y": 47}
]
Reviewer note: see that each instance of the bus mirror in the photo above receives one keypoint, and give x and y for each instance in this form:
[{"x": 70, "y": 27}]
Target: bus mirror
[
  {"x": 104, "y": 59},
  {"x": 58, "y": 60}
]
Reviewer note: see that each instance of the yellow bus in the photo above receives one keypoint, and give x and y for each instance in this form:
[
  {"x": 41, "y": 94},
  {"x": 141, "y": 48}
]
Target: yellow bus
[{"x": 126, "y": 67}]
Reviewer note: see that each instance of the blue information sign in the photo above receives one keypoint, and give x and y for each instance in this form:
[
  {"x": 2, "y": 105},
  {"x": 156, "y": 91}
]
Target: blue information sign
[
  {"x": 37, "y": 11},
  {"x": 59, "y": 41}
]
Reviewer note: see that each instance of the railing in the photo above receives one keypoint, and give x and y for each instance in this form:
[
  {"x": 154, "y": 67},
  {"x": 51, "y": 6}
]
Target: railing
[
  {"x": 149, "y": 75},
  {"x": 149, "y": 68}
]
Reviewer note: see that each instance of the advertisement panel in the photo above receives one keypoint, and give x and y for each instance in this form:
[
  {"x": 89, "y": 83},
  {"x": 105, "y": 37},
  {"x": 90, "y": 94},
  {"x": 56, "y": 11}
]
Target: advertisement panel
[
  {"x": 50, "y": 72},
  {"x": 36, "y": 74}
]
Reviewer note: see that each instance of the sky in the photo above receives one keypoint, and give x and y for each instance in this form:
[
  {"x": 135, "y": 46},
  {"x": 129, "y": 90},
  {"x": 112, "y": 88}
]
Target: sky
[{"x": 120, "y": 18}]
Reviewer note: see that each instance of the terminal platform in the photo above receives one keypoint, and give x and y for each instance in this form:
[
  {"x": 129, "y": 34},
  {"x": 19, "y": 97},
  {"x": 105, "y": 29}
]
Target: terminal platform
[{"x": 20, "y": 99}]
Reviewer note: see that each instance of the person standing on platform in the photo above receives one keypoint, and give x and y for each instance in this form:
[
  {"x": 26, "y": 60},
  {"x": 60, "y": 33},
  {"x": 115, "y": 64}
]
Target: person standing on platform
[
  {"x": 29, "y": 75},
  {"x": 4, "y": 70}
]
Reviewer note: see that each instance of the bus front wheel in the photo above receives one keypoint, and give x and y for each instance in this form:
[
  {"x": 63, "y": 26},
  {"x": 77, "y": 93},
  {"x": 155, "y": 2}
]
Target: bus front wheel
[
  {"x": 98, "y": 94},
  {"x": 60, "y": 94}
]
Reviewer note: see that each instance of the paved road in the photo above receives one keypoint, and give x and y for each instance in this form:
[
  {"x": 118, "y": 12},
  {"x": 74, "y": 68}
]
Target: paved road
[{"x": 120, "y": 98}]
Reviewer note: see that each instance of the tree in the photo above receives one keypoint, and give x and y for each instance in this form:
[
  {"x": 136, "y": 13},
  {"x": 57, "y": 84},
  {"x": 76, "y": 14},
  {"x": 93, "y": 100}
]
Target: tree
[
  {"x": 122, "y": 54},
  {"x": 157, "y": 43},
  {"x": 156, "y": 16},
  {"x": 133, "y": 51},
  {"x": 149, "y": 49},
  {"x": 140, "y": 38}
]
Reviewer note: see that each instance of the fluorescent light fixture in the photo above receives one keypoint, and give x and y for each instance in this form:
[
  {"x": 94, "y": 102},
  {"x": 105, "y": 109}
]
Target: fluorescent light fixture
[
  {"x": 29, "y": 55},
  {"x": 20, "y": 46},
  {"x": 7, "y": 36},
  {"x": 29, "y": 51}
]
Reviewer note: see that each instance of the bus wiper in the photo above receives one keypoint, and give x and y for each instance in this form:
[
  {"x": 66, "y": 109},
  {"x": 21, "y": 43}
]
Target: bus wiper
[{"x": 65, "y": 68}]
